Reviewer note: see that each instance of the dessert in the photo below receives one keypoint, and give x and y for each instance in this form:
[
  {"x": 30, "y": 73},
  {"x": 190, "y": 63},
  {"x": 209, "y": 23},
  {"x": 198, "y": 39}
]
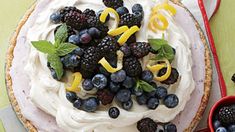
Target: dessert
[{"x": 107, "y": 70}]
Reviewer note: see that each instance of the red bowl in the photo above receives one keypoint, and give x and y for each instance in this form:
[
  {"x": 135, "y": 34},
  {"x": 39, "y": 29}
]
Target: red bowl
[{"x": 222, "y": 102}]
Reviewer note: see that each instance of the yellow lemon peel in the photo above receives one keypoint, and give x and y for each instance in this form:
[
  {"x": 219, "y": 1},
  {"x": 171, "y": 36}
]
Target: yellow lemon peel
[
  {"x": 126, "y": 35},
  {"x": 166, "y": 7},
  {"x": 118, "y": 31},
  {"x": 158, "y": 21},
  {"x": 105, "y": 14},
  {"x": 156, "y": 68},
  {"x": 108, "y": 67},
  {"x": 76, "y": 82}
]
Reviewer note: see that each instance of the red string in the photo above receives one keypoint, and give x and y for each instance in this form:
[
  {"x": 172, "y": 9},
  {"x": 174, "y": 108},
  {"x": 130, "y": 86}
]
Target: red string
[{"x": 213, "y": 48}]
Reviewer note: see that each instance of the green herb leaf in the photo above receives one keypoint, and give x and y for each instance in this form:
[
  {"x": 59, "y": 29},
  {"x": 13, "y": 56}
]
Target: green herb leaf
[
  {"x": 156, "y": 44},
  {"x": 44, "y": 46},
  {"x": 65, "y": 48},
  {"x": 61, "y": 34},
  {"x": 163, "y": 48},
  {"x": 145, "y": 86},
  {"x": 56, "y": 64},
  {"x": 168, "y": 52}
]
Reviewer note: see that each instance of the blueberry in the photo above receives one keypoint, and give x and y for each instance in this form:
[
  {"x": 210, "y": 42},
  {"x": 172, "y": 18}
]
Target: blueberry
[
  {"x": 147, "y": 76},
  {"x": 141, "y": 100},
  {"x": 83, "y": 32},
  {"x": 75, "y": 39},
  {"x": 114, "y": 112},
  {"x": 103, "y": 71},
  {"x": 99, "y": 13},
  {"x": 152, "y": 103},
  {"x": 99, "y": 81},
  {"x": 137, "y": 8},
  {"x": 87, "y": 85},
  {"x": 123, "y": 95},
  {"x": 71, "y": 96},
  {"x": 53, "y": 74},
  {"x": 114, "y": 87},
  {"x": 126, "y": 50},
  {"x": 77, "y": 103},
  {"x": 216, "y": 124},
  {"x": 90, "y": 104},
  {"x": 171, "y": 101},
  {"x": 78, "y": 51},
  {"x": 129, "y": 82},
  {"x": 119, "y": 76},
  {"x": 85, "y": 38},
  {"x": 221, "y": 129},
  {"x": 94, "y": 32},
  {"x": 55, "y": 17},
  {"x": 137, "y": 92},
  {"x": 70, "y": 61},
  {"x": 151, "y": 94},
  {"x": 127, "y": 105},
  {"x": 122, "y": 10},
  {"x": 231, "y": 128},
  {"x": 170, "y": 127},
  {"x": 161, "y": 92}
]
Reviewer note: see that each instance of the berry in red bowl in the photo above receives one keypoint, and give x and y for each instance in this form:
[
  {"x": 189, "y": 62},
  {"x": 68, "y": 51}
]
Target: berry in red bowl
[{"x": 222, "y": 115}]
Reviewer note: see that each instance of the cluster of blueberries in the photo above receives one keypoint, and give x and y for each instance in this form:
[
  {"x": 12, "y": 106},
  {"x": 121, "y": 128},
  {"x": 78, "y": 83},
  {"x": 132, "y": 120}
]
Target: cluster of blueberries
[{"x": 123, "y": 87}]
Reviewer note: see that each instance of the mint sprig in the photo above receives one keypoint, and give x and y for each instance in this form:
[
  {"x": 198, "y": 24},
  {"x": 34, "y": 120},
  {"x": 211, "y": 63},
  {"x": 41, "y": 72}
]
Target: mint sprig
[
  {"x": 54, "y": 51},
  {"x": 164, "y": 50},
  {"x": 144, "y": 86}
]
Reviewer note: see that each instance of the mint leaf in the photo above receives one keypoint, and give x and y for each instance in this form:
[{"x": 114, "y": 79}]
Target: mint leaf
[
  {"x": 145, "y": 86},
  {"x": 156, "y": 44},
  {"x": 65, "y": 48},
  {"x": 61, "y": 34},
  {"x": 163, "y": 48},
  {"x": 168, "y": 52},
  {"x": 56, "y": 64},
  {"x": 44, "y": 46}
]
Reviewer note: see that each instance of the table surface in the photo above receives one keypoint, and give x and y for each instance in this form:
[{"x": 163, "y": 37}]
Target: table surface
[{"x": 222, "y": 26}]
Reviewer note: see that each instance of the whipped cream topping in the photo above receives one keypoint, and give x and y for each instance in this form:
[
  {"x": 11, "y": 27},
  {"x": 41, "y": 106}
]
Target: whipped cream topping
[{"x": 50, "y": 95}]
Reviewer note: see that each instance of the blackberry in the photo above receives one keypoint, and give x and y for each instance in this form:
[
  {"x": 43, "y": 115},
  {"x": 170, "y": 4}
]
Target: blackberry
[
  {"x": 107, "y": 45},
  {"x": 128, "y": 20},
  {"x": 66, "y": 10},
  {"x": 147, "y": 125},
  {"x": 86, "y": 74},
  {"x": 89, "y": 13},
  {"x": 76, "y": 20},
  {"x": 105, "y": 96},
  {"x": 132, "y": 66},
  {"x": 132, "y": 39},
  {"x": 113, "y": 3},
  {"x": 227, "y": 115},
  {"x": 173, "y": 77},
  {"x": 90, "y": 59},
  {"x": 95, "y": 22},
  {"x": 140, "y": 49}
]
